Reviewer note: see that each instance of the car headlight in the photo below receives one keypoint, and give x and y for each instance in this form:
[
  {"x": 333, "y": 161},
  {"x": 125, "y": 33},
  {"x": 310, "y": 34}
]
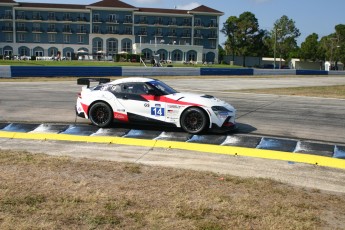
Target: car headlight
[{"x": 221, "y": 112}]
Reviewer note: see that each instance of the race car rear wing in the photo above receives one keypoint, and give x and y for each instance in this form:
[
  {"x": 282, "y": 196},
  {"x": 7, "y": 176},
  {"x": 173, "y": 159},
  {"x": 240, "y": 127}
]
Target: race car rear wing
[{"x": 86, "y": 81}]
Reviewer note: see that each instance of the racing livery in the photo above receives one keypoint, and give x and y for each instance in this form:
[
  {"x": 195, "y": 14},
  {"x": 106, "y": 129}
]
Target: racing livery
[{"x": 149, "y": 101}]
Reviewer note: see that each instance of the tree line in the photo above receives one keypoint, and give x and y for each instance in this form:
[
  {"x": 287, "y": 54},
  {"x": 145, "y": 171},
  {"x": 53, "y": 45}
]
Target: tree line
[{"x": 245, "y": 38}]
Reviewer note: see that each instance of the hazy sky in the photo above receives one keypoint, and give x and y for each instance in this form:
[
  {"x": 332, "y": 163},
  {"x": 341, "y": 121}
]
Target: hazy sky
[{"x": 311, "y": 16}]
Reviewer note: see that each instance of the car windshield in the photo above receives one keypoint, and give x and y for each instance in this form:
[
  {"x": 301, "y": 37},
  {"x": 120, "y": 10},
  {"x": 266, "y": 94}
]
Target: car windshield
[{"x": 162, "y": 87}]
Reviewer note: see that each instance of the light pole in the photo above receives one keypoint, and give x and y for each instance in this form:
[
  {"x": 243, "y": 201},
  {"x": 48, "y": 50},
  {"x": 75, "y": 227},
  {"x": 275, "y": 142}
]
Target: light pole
[{"x": 275, "y": 46}]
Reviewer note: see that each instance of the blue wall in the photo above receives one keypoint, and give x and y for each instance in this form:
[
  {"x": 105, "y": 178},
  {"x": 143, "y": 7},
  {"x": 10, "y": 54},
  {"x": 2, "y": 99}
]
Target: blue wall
[{"x": 61, "y": 71}]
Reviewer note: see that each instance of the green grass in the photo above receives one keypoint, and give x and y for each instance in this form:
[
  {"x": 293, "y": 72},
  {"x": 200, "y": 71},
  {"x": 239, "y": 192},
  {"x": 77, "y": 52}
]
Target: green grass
[
  {"x": 336, "y": 91},
  {"x": 96, "y": 63}
]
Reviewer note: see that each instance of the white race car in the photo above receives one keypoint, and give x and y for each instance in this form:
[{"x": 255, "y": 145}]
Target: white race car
[{"x": 148, "y": 101}]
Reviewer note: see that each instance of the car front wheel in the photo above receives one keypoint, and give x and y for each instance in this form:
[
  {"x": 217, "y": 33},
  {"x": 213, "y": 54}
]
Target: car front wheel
[
  {"x": 194, "y": 120},
  {"x": 101, "y": 114}
]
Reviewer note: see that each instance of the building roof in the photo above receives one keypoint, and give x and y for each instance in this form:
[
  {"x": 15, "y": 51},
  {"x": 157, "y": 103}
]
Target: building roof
[
  {"x": 7, "y": 1},
  {"x": 52, "y": 5},
  {"x": 206, "y": 9},
  {"x": 162, "y": 11},
  {"x": 112, "y": 3}
]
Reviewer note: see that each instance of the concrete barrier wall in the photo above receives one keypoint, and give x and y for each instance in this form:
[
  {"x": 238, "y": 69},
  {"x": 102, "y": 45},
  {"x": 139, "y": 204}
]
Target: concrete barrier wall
[
  {"x": 75, "y": 71},
  {"x": 5, "y": 71},
  {"x": 258, "y": 72}
]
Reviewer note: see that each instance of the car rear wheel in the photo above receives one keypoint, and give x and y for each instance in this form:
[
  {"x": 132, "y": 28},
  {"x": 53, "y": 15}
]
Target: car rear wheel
[
  {"x": 101, "y": 114},
  {"x": 194, "y": 120}
]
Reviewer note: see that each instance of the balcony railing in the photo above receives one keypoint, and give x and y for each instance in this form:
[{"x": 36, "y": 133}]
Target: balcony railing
[
  {"x": 67, "y": 30},
  {"x": 172, "y": 34},
  {"x": 22, "y": 29},
  {"x": 81, "y": 31},
  {"x": 171, "y": 23},
  {"x": 198, "y": 36},
  {"x": 213, "y": 25},
  {"x": 37, "y": 30},
  {"x": 143, "y": 22},
  {"x": 128, "y": 21},
  {"x": 158, "y": 34},
  {"x": 69, "y": 19},
  {"x": 21, "y": 17},
  {"x": 6, "y": 16},
  {"x": 37, "y": 18},
  {"x": 112, "y": 32},
  {"x": 52, "y": 30},
  {"x": 52, "y": 18},
  {"x": 7, "y": 29},
  {"x": 128, "y": 32},
  {"x": 186, "y": 35},
  {"x": 111, "y": 20},
  {"x": 142, "y": 33},
  {"x": 96, "y": 31},
  {"x": 82, "y": 19},
  {"x": 212, "y": 36},
  {"x": 97, "y": 20}
]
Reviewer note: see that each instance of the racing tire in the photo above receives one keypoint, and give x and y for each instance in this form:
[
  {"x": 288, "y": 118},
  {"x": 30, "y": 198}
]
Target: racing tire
[
  {"x": 194, "y": 120},
  {"x": 101, "y": 114}
]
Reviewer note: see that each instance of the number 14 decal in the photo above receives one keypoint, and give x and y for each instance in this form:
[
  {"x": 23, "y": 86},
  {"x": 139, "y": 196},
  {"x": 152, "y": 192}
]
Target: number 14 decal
[{"x": 157, "y": 111}]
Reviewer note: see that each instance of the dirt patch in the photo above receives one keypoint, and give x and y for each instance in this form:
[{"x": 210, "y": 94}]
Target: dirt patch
[{"x": 44, "y": 192}]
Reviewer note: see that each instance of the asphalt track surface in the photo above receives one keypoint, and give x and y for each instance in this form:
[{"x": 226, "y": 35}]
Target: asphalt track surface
[{"x": 282, "y": 116}]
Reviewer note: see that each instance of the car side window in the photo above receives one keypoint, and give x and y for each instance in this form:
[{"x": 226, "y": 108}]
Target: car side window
[
  {"x": 135, "y": 88},
  {"x": 115, "y": 89}
]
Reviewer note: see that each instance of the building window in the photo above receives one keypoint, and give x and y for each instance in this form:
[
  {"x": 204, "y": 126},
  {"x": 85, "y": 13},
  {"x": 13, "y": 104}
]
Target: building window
[
  {"x": 81, "y": 17},
  {"x": 112, "y": 18},
  {"x": 212, "y": 44},
  {"x": 21, "y": 37},
  {"x": 36, "y": 16},
  {"x": 8, "y": 14},
  {"x": 39, "y": 53},
  {"x": 37, "y": 37},
  {"x": 67, "y": 28},
  {"x": 197, "y": 22},
  {"x": 51, "y": 16},
  {"x": 80, "y": 38},
  {"x": 198, "y": 42},
  {"x": 81, "y": 29},
  {"x": 186, "y": 22},
  {"x": 20, "y": 15},
  {"x": 126, "y": 46},
  {"x": 128, "y": 19},
  {"x": 9, "y": 37},
  {"x": 173, "y": 21},
  {"x": 51, "y": 28},
  {"x": 112, "y": 47},
  {"x": 143, "y": 20},
  {"x": 67, "y": 17},
  {"x": 112, "y": 29},
  {"x": 128, "y": 30},
  {"x": 98, "y": 46},
  {"x": 23, "y": 52},
  {"x": 213, "y": 23},
  {"x": 51, "y": 37},
  {"x": 96, "y": 29},
  {"x": 96, "y": 18},
  {"x": 36, "y": 27},
  {"x": 143, "y": 31},
  {"x": 66, "y": 38}
]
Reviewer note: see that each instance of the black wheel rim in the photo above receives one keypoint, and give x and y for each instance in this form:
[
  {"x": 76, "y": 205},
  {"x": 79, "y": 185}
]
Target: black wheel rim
[
  {"x": 194, "y": 121},
  {"x": 100, "y": 115}
]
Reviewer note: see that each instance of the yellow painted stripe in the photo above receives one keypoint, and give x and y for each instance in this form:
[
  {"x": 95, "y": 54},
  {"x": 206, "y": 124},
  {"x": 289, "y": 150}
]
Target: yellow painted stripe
[{"x": 207, "y": 148}]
